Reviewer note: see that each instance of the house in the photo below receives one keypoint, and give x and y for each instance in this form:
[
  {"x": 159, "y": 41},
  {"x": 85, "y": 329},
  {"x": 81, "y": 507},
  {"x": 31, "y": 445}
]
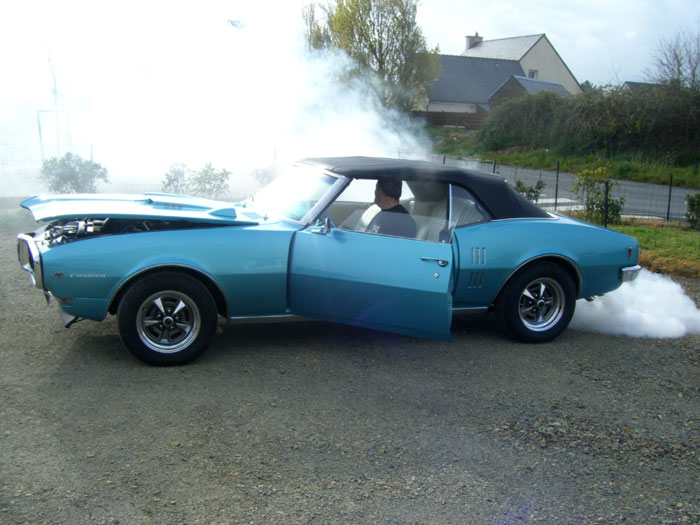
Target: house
[
  {"x": 489, "y": 72},
  {"x": 638, "y": 87},
  {"x": 535, "y": 53},
  {"x": 461, "y": 94},
  {"x": 518, "y": 86}
]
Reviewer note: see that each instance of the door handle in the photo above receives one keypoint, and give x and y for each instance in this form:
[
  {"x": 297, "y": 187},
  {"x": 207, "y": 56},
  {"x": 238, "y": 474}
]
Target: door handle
[{"x": 441, "y": 262}]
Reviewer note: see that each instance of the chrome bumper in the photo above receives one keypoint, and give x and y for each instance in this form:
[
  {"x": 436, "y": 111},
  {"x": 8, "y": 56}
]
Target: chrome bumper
[
  {"x": 30, "y": 259},
  {"x": 630, "y": 273}
]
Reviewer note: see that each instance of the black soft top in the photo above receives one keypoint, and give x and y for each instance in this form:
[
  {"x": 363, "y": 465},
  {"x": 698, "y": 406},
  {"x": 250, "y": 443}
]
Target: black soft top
[{"x": 495, "y": 194}]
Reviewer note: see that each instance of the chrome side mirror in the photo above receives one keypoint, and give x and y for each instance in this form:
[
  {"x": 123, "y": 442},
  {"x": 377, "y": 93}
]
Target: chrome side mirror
[{"x": 324, "y": 228}]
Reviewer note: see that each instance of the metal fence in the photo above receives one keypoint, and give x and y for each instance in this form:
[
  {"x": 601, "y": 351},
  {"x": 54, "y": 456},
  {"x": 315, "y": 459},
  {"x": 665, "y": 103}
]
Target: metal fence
[
  {"x": 20, "y": 166},
  {"x": 640, "y": 199}
]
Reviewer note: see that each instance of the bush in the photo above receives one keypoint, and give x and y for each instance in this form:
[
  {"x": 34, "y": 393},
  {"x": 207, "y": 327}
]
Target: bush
[
  {"x": 661, "y": 124},
  {"x": 265, "y": 175},
  {"x": 72, "y": 174},
  {"x": 590, "y": 188},
  {"x": 693, "y": 213},
  {"x": 207, "y": 182},
  {"x": 532, "y": 193}
]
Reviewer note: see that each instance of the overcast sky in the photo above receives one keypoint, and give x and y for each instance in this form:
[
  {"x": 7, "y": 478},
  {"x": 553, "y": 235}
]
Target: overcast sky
[
  {"x": 600, "y": 40},
  {"x": 603, "y": 41},
  {"x": 161, "y": 79}
]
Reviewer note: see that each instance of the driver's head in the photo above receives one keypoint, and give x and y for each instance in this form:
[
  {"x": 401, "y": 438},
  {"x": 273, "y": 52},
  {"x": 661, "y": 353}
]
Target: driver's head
[{"x": 390, "y": 186}]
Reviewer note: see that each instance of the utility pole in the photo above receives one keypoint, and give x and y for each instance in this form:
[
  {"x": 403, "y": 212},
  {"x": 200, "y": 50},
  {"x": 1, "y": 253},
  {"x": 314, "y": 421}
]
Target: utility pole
[{"x": 55, "y": 107}]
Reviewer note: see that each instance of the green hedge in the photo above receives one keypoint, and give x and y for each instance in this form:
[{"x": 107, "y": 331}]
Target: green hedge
[{"x": 661, "y": 125}]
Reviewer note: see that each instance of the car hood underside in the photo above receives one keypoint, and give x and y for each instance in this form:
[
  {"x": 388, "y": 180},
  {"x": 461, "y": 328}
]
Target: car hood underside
[{"x": 149, "y": 206}]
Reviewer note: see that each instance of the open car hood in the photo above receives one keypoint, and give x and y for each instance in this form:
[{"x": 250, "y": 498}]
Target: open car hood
[{"x": 150, "y": 206}]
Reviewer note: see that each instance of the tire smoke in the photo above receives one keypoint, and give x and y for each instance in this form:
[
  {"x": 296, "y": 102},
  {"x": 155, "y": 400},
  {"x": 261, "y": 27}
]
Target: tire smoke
[{"x": 652, "y": 305}]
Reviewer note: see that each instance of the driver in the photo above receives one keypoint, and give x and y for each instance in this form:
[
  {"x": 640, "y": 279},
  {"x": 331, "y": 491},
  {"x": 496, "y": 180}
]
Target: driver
[{"x": 393, "y": 219}]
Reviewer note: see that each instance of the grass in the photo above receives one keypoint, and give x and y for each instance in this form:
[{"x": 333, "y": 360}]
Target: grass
[
  {"x": 453, "y": 141},
  {"x": 669, "y": 248},
  {"x": 622, "y": 168}
]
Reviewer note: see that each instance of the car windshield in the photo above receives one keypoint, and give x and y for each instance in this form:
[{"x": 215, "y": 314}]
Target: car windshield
[{"x": 293, "y": 193}]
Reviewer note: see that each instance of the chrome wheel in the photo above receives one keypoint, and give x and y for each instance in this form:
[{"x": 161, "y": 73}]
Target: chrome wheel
[
  {"x": 541, "y": 304},
  {"x": 168, "y": 321}
]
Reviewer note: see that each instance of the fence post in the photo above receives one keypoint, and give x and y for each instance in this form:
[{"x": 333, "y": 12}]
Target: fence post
[
  {"x": 607, "y": 192},
  {"x": 444, "y": 158},
  {"x": 670, "y": 189},
  {"x": 556, "y": 189},
  {"x": 494, "y": 166}
]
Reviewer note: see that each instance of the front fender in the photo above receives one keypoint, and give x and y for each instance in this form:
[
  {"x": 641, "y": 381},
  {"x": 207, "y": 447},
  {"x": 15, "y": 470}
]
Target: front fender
[{"x": 247, "y": 264}]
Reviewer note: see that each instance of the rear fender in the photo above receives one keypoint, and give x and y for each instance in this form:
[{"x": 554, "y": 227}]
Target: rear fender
[{"x": 563, "y": 262}]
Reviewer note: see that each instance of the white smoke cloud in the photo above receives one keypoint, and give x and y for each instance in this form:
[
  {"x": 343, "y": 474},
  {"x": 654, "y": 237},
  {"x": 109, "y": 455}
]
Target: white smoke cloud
[
  {"x": 145, "y": 86},
  {"x": 652, "y": 305}
]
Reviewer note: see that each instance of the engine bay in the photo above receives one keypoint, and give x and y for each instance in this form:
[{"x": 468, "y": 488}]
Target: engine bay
[{"x": 69, "y": 230}]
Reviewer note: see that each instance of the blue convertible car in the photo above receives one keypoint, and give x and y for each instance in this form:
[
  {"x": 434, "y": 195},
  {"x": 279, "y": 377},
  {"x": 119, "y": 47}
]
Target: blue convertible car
[{"x": 393, "y": 245}]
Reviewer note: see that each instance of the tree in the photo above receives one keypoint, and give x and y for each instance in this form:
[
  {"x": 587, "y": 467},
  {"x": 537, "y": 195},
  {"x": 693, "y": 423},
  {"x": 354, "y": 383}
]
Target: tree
[
  {"x": 530, "y": 192},
  {"x": 677, "y": 60},
  {"x": 175, "y": 180},
  {"x": 593, "y": 188},
  {"x": 72, "y": 174},
  {"x": 207, "y": 182},
  {"x": 588, "y": 86},
  {"x": 383, "y": 40}
]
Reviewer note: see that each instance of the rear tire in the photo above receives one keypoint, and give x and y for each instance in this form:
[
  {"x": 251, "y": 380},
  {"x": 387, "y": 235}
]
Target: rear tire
[
  {"x": 538, "y": 303},
  {"x": 167, "y": 319}
]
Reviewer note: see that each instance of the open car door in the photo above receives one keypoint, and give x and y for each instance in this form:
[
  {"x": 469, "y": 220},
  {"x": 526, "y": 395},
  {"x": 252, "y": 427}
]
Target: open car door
[{"x": 394, "y": 284}]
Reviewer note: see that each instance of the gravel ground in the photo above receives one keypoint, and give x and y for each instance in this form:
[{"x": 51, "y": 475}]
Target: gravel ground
[{"x": 318, "y": 423}]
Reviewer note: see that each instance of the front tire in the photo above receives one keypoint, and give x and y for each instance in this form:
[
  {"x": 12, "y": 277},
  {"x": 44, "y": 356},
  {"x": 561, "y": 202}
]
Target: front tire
[
  {"x": 167, "y": 319},
  {"x": 538, "y": 303}
]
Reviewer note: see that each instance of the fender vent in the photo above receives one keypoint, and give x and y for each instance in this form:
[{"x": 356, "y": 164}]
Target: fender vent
[
  {"x": 476, "y": 280},
  {"x": 478, "y": 256}
]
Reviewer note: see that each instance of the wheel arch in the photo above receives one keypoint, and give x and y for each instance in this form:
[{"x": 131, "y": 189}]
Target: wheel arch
[
  {"x": 202, "y": 277},
  {"x": 563, "y": 262}
]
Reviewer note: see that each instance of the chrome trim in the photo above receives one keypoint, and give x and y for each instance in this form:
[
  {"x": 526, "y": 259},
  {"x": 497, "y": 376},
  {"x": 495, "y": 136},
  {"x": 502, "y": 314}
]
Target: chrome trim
[
  {"x": 471, "y": 309},
  {"x": 449, "y": 207},
  {"x": 441, "y": 262},
  {"x": 30, "y": 259},
  {"x": 629, "y": 273},
  {"x": 478, "y": 255},
  {"x": 264, "y": 319},
  {"x": 66, "y": 318},
  {"x": 541, "y": 304},
  {"x": 330, "y": 195},
  {"x": 555, "y": 218},
  {"x": 476, "y": 280},
  {"x": 168, "y": 321}
]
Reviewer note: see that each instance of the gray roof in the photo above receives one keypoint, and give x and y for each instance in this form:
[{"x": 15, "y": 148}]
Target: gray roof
[
  {"x": 473, "y": 80},
  {"x": 532, "y": 85},
  {"x": 640, "y": 86},
  {"x": 514, "y": 48}
]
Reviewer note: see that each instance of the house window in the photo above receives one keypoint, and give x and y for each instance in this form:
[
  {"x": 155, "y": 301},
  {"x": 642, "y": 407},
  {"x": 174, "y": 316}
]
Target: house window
[{"x": 532, "y": 73}]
